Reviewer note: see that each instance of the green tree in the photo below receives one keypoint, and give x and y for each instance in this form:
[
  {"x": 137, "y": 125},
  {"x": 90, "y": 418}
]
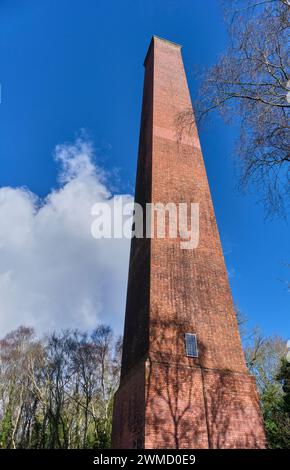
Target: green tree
[
  {"x": 265, "y": 358},
  {"x": 58, "y": 392}
]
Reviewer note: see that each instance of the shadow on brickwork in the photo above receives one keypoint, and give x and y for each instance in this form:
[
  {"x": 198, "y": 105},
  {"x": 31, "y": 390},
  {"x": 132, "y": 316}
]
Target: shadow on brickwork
[{"x": 188, "y": 406}]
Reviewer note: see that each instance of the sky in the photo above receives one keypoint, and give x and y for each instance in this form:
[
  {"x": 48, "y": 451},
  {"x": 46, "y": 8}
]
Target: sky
[{"x": 71, "y": 76}]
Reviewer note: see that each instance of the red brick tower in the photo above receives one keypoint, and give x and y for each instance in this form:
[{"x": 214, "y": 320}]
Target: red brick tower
[{"x": 167, "y": 398}]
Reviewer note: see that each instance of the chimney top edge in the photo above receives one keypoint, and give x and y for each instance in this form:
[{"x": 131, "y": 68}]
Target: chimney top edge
[
  {"x": 154, "y": 38},
  {"x": 166, "y": 40}
]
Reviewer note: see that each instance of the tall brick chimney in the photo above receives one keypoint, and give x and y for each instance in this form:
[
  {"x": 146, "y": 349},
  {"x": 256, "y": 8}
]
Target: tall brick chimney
[{"x": 184, "y": 381}]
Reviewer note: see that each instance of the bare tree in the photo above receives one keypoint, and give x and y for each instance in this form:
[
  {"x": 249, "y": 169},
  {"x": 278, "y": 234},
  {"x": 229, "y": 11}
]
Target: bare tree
[
  {"x": 19, "y": 357},
  {"x": 265, "y": 356},
  {"x": 57, "y": 392},
  {"x": 249, "y": 84}
]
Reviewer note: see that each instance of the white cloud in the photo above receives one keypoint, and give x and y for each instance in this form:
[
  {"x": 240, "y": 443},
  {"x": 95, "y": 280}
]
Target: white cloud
[{"x": 53, "y": 273}]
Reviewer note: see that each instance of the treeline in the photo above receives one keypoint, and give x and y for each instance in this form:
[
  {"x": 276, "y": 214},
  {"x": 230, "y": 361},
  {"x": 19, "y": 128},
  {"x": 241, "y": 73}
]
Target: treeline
[{"x": 57, "y": 392}]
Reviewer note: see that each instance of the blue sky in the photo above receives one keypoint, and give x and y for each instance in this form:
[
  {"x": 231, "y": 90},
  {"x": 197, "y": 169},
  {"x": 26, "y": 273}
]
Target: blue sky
[{"x": 69, "y": 65}]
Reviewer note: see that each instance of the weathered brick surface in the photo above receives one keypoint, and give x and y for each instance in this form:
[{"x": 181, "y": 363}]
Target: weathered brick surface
[
  {"x": 234, "y": 417},
  {"x": 210, "y": 401},
  {"x": 175, "y": 410},
  {"x": 129, "y": 410}
]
